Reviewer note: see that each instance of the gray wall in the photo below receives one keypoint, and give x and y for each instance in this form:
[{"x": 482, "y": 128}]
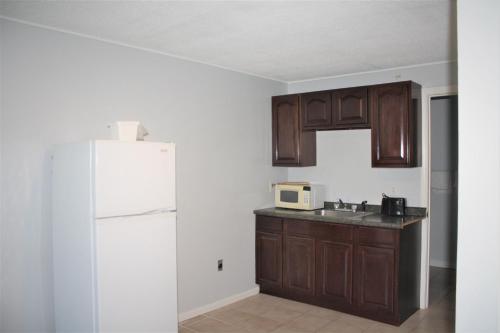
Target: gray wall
[
  {"x": 444, "y": 194},
  {"x": 478, "y": 264},
  {"x": 430, "y": 75},
  {"x": 62, "y": 88},
  {"x": 344, "y": 160}
]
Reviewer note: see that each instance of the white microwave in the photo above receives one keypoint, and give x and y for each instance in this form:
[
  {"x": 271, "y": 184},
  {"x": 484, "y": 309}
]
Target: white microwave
[{"x": 299, "y": 195}]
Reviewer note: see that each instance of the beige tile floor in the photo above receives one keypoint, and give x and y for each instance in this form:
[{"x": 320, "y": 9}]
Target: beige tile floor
[{"x": 264, "y": 313}]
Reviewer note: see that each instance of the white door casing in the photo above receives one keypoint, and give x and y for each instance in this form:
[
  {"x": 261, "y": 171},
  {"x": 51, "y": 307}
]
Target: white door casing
[{"x": 427, "y": 94}]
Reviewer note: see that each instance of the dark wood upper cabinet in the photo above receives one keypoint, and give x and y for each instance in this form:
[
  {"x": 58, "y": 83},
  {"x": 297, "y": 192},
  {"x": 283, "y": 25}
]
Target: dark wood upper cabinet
[
  {"x": 316, "y": 109},
  {"x": 394, "y": 122},
  {"x": 335, "y": 109},
  {"x": 390, "y": 110},
  {"x": 350, "y": 108},
  {"x": 291, "y": 145}
]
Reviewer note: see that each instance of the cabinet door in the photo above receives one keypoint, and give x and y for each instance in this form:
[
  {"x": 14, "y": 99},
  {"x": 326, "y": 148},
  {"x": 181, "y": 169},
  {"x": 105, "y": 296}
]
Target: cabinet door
[
  {"x": 269, "y": 259},
  {"x": 391, "y": 127},
  {"x": 299, "y": 265},
  {"x": 291, "y": 146},
  {"x": 334, "y": 272},
  {"x": 376, "y": 274},
  {"x": 316, "y": 109},
  {"x": 350, "y": 109},
  {"x": 286, "y": 129}
]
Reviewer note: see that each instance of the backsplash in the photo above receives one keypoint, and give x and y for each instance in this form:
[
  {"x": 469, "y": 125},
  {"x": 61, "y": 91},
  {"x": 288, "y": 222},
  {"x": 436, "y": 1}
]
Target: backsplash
[
  {"x": 344, "y": 167},
  {"x": 411, "y": 211}
]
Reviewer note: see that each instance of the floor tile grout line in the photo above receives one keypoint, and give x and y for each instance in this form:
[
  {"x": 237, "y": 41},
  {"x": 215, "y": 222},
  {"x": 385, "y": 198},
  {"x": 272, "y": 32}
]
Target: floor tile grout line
[
  {"x": 207, "y": 315},
  {"x": 439, "y": 310},
  {"x": 280, "y": 324},
  {"x": 305, "y": 313},
  {"x": 224, "y": 322},
  {"x": 194, "y": 322},
  {"x": 188, "y": 328},
  {"x": 328, "y": 323}
]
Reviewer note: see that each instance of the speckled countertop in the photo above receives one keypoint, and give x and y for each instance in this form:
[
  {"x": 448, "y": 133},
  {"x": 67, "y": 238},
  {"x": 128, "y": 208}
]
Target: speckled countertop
[{"x": 371, "y": 219}]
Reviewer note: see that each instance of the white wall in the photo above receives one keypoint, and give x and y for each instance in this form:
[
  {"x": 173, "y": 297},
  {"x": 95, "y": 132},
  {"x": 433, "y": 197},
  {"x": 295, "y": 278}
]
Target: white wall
[
  {"x": 478, "y": 275},
  {"x": 444, "y": 165},
  {"x": 60, "y": 88},
  {"x": 344, "y": 158},
  {"x": 1, "y": 147}
]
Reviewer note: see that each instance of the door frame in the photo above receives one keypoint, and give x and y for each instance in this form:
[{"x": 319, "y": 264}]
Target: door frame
[{"x": 427, "y": 95}]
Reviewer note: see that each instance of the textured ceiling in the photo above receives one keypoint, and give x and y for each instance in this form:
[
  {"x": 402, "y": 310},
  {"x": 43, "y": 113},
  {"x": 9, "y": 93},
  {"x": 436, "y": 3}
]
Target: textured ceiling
[{"x": 284, "y": 40}]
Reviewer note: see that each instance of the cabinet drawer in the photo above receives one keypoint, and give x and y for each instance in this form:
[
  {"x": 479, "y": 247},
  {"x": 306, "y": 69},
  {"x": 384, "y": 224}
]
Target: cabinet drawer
[
  {"x": 297, "y": 227},
  {"x": 269, "y": 224},
  {"x": 334, "y": 232},
  {"x": 378, "y": 236}
]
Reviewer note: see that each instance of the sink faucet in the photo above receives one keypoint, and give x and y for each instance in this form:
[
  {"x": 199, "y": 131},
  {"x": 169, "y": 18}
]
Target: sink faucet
[{"x": 342, "y": 203}]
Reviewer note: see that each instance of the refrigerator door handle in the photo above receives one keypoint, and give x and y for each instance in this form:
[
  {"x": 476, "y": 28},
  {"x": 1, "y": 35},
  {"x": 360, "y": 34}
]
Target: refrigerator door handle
[{"x": 149, "y": 212}]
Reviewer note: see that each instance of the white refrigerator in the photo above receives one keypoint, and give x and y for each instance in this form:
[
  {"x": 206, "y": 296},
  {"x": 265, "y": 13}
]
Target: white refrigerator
[{"x": 114, "y": 237}]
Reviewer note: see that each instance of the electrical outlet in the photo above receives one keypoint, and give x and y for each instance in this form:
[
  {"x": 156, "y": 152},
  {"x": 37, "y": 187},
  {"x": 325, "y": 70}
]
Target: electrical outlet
[{"x": 219, "y": 265}]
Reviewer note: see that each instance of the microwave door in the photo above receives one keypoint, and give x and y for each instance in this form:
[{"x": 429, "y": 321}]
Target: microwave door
[{"x": 289, "y": 196}]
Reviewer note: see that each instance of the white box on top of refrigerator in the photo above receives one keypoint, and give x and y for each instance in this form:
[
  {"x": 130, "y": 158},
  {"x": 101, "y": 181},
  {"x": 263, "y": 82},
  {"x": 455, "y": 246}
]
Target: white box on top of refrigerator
[{"x": 114, "y": 236}]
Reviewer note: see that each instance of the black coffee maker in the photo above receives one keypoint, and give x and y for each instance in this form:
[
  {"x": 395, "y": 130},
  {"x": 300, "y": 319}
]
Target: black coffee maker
[{"x": 393, "y": 206}]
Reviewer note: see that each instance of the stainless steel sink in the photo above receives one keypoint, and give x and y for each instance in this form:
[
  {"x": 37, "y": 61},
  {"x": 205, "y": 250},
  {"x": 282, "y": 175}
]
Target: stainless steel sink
[{"x": 341, "y": 213}]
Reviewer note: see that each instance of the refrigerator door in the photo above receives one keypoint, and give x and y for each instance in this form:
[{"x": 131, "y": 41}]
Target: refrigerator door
[
  {"x": 133, "y": 177},
  {"x": 136, "y": 273}
]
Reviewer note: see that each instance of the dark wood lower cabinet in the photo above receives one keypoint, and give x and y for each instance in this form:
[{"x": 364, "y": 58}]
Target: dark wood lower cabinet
[
  {"x": 366, "y": 271},
  {"x": 299, "y": 265},
  {"x": 269, "y": 263},
  {"x": 334, "y": 273},
  {"x": 269, "y": 253},
  {"x": 375, "y": 284}
]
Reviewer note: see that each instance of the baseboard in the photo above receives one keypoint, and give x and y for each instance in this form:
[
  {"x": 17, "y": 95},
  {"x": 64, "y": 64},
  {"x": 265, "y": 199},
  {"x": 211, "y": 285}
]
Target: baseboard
[
  {"x": 442, "y": 264},
  {"x": 218, "y": 304}
]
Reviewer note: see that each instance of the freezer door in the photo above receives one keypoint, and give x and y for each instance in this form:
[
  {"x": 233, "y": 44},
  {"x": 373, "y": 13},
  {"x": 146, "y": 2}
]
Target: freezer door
[
  {"x": 133, "y": 177},
  {"x": 136, "y": 273}
]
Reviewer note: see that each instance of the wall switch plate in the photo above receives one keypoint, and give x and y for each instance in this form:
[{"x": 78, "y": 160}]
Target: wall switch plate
[{"x": 219, "y": 265}]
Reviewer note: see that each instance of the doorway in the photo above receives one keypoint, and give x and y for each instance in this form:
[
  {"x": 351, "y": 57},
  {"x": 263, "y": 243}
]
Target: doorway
[{"x": 443, "y": 200}]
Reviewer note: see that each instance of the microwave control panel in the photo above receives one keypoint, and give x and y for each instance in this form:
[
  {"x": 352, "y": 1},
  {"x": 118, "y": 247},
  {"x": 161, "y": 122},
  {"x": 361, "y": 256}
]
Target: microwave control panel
[{"x": 307, "y": 195}]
